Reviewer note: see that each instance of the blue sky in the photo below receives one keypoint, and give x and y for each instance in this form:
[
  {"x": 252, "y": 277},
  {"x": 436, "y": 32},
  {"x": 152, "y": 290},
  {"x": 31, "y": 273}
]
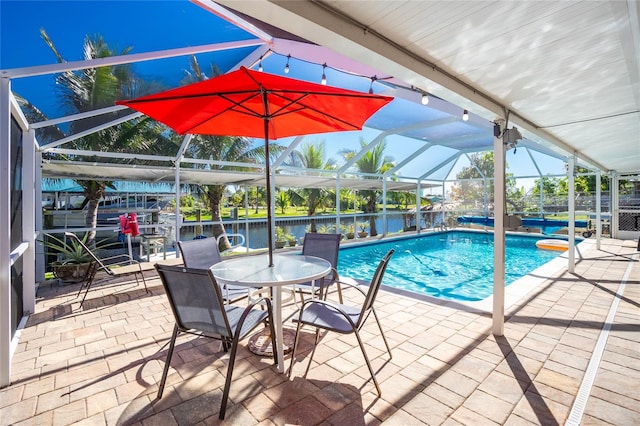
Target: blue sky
[{"x": 149, "y": 25}]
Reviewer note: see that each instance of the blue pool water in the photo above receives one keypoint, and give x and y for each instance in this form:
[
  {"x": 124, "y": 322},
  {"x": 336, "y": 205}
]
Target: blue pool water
[{"x": 452, "y": 265}]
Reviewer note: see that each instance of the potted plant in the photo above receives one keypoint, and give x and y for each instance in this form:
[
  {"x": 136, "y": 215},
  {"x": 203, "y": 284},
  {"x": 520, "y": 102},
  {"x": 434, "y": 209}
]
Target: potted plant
[
  {"x": 350, "y": 232},
  {"x": 363, "y": 230},
  {"x": 281, "y": 237},
  {"x": 291, "y": 239},
  {"x": 72, "y": 262}
]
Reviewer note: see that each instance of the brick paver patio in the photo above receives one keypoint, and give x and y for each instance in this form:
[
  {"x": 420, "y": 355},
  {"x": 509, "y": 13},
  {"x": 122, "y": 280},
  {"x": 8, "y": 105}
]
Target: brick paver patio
[{"x": 101, "y": 364}]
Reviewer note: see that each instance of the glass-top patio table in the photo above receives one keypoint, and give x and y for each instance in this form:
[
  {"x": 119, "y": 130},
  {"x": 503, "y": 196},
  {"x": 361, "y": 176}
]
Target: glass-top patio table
[{"x": 287, "y": 269}]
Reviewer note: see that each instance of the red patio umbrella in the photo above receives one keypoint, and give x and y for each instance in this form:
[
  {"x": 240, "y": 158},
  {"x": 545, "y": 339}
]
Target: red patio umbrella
[{"x": 260, "y": 105}]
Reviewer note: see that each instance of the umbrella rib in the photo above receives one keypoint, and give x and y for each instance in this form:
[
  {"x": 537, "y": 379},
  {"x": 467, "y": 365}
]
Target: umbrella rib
[
  {"x": 233, "y": 103},
  {"x": 305, "y": 106}
]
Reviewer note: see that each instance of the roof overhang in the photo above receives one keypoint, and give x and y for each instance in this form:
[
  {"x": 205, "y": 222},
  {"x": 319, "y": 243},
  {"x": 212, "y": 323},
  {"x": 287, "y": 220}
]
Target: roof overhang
[{"x": 568, "y": 75}]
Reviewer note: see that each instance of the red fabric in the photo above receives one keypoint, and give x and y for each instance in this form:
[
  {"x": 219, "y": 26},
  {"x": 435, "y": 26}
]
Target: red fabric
[
  {"x": 232, "y": 104},
  {"x": 129, "y": 224}
]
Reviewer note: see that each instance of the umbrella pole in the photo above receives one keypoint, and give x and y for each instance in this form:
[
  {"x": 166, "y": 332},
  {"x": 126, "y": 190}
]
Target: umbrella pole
[{"x": 268, "y": 172}]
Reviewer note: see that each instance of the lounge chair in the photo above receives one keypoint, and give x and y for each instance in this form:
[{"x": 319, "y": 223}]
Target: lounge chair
[
  {"x": 126, "y": 265},
  {"x": 343, "y": 319},
  {"x": 198, "y": 308}
]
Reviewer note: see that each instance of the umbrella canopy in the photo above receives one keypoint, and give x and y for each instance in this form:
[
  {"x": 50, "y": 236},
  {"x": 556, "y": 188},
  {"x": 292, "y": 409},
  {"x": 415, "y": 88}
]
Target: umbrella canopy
[{"x": 261, "y": 105}]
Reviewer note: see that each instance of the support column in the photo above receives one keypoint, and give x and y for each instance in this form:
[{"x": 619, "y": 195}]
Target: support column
[
  {"x": 246, "y": 216},
  {"x": 598, "y": 209},
  {"x": 384, "y": 206},
  {"x": 615, "y": 205},
  {"x": 572, "y": 215},
  {"x": 485, "y": 201},
  {"x": 178, "y": 223},
  {"x": 40, "y": 250},
  {"x": 541, "y": 187},
  {"x": 338, "y": 205},
  {"x": 5, "y": 232},
  {"x": 498, "y": 229},
  {"x": 29, "y": 203},
  {"x": 418, "y": 207}
]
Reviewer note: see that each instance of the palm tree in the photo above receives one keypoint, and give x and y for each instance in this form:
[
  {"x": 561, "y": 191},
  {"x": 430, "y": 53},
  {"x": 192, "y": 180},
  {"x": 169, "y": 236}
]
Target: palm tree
[
  {"x": 372, "y": 162},
  {"x": 223, "y": 148},
  {"x": 95, "y": 88},
  {"x": 312, "y": 156}
]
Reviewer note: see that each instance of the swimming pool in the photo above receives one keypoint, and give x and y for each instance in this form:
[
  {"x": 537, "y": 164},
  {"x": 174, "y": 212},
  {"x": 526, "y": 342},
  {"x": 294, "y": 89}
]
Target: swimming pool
[{"x": 453, "y": 265}]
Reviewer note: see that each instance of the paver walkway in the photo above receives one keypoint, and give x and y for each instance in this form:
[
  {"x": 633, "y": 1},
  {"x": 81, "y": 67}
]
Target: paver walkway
[{"x": 101, "y": 364}]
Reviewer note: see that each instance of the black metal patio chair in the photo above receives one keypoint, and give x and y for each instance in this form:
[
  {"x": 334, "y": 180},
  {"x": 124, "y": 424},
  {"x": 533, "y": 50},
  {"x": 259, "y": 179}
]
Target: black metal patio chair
[
  {"x": 327, "y": 247},
  {"x": 198, "y": 308},
  {"x": 343, "y": 319},
  {"x": 202, "y": 254}
]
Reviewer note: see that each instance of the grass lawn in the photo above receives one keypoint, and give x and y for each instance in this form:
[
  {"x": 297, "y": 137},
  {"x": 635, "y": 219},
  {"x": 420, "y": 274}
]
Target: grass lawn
[{"x": 190, "y": 214}]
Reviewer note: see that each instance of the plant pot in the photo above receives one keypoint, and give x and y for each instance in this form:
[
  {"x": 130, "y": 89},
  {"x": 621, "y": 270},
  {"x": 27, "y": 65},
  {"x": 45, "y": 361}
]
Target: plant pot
[
  {"x": 280, "y": 244},
  {"x": 363, "y": 234},
  {"x": 351, "y": 235},
  {"x": 292, "y": 243},
  {"x": 71, "y": 272}
]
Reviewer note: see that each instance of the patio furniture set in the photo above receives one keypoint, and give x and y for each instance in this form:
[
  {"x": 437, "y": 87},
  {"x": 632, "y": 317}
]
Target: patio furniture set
[{"x": 203, "y": 295}]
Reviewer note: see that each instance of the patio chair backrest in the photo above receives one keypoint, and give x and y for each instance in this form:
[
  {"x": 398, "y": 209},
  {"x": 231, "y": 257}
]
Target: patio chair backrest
[
  {"x": 200, "y": 253},
  {"x": 195, "y": 299},
  {"x": 325, "y": 246},
  {"x": 374, "y": 286}
]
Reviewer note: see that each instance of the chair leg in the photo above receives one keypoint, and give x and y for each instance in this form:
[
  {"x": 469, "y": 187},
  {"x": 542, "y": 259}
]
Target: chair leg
[
  {"x": 143, "y": 280},
  {"x": 313, "y": 352},
  {"x": 339, "y": 292},
  {"x": 272, "y": 330},
  {"x": 86, "y": 284},
  {"x": 366, "y": 358},
  {"x": 227, "y": 383},
  {"x": 293, "y": 351},
  {"x": 382, "y": 332},
  {"x": 167, "y": 363}
]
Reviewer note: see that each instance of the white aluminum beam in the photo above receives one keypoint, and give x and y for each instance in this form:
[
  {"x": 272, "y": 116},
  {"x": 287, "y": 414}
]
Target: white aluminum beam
[
  {"x": 91, "y": 131},
  {"x": 29, "y": 201},
  {"x": 124, "y": 59},
  {"x": 498, "y": 235},
  {"x": 572, "y": 215},
  {"x": 598, "y": 210},
  {"x": 453, "y": 158},
  {"x": 74, "y": 117},
  {"x": 5, "y": 232}
]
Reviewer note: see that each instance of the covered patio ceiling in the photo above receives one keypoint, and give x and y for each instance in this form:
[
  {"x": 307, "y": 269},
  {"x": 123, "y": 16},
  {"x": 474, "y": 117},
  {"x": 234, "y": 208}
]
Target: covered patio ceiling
[{"x": 567, "y": 74}]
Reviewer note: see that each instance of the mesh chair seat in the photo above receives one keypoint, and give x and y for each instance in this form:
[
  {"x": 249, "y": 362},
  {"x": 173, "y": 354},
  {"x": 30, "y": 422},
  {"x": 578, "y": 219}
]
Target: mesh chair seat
[{"x": 330, "y": 316}]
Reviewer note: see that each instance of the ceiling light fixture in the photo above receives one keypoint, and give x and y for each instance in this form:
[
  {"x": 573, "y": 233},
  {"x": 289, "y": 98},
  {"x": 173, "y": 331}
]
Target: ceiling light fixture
[
  {"x": 374, "y": 78},
  {"x": 425, "y": 98},
  {"x": 260, "y": 65},
  {"x": 286, "y": 67},
  {"x": 465, "y": 115},
  {"x": 324, "y": 76}
]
